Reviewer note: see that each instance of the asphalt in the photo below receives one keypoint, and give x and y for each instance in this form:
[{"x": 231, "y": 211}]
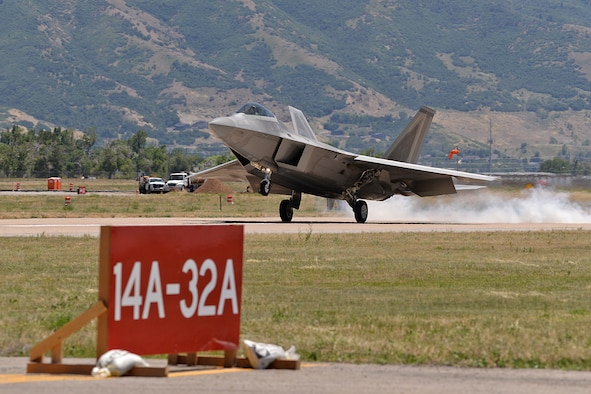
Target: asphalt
[{"x": 311, "y": 378}]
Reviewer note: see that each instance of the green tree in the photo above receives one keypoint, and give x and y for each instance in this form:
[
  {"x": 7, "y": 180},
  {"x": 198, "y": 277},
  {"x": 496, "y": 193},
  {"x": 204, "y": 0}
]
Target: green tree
[
  {"x": 179, "y": 161},
  {"x": 557, "y": 165},
  {"x": 115, "y": 158},
  {"x": 15, "y": 155},
  {"x": 137, "y": 143},
  {"x": 156, "y": 160}
]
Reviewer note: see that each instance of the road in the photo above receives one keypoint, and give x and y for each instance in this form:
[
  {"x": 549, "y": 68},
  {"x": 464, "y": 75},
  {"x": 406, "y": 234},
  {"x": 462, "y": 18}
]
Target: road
[{"x": 312, "y": 377}]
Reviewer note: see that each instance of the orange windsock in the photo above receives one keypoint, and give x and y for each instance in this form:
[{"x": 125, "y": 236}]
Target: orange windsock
[{"x": 453, "y": 152}]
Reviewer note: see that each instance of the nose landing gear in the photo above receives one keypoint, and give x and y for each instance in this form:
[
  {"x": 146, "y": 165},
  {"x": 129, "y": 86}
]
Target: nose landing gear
[{"x": 265, "y": 187}]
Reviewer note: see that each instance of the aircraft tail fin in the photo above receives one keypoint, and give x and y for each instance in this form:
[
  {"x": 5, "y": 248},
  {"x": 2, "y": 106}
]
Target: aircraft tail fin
[
  {"x": 300, "y": 124},
  {"x": 407, "y": 147}
]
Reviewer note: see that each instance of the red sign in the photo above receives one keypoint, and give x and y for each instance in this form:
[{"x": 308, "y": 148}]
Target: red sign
[{"x": 175, "y": 289}]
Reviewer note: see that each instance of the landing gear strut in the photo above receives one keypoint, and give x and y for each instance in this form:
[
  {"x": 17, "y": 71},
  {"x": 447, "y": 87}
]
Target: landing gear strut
[{"x": 287, "y": 206}]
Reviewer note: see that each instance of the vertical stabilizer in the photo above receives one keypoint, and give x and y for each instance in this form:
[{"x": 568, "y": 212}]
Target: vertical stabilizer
[
  {"x": 300, "y": 124},
  {"x": 409, "y": 143}
]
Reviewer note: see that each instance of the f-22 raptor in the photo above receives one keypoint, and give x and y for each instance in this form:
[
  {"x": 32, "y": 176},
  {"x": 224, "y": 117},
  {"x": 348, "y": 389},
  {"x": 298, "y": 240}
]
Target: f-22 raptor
[{"x": 276, "y": 159}]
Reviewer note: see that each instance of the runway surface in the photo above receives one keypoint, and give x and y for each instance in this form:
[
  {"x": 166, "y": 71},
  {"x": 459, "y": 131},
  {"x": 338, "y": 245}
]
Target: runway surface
[
  {"x": 91, "y": 226},
  {"x": 328, "y": 378},
  {"x": 313, "y": 377}
]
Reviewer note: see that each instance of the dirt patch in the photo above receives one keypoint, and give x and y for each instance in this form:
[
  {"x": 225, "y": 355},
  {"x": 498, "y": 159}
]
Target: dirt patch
[{"x": 213, "y": 186}]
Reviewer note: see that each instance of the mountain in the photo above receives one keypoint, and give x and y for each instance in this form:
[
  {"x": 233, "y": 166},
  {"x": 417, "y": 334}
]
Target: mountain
[{"x": 358, "y": 70}]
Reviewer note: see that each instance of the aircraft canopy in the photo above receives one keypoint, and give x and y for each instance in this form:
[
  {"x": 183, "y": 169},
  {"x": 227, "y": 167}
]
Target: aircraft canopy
[{"x": 255, "y": 109}]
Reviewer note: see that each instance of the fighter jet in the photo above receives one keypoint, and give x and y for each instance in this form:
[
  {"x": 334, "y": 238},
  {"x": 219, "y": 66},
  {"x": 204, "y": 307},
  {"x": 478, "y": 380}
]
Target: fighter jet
[{"x": 276, "y": 159}]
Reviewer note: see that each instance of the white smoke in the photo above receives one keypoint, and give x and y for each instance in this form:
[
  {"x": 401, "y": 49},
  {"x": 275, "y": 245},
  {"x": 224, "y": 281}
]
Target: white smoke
[{"x": 537, "y": 205}]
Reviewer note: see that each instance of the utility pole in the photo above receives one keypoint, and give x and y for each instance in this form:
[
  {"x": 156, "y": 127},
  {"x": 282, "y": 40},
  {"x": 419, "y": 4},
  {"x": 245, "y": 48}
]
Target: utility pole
[{"x": 490, "y": 143}]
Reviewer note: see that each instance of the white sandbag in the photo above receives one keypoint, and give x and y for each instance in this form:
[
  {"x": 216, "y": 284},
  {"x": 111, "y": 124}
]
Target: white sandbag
[
  {"x": 117, "y": 362},
  {"x": 261, "y": 355}
]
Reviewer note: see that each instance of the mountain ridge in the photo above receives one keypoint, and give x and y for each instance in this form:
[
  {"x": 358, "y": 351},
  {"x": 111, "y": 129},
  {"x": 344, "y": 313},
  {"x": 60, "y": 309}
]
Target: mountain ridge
[{"x": 117, "y": 66}]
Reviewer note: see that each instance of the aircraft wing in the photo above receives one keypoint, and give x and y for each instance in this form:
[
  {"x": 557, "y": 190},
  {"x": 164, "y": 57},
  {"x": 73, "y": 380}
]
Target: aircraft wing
[
  {"x": 233, "y": 171},
  {"x": 228, "y": 171},
  {"x": 419, "y": 179}
]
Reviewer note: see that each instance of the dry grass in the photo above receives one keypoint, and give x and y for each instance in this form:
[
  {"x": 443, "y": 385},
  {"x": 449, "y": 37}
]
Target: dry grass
[
  {"x": 125, "y": 202},
  {"x": 508, "y": 300},
  {"x": 39, "y": 184},
  {"x": 477, "y": 299}
]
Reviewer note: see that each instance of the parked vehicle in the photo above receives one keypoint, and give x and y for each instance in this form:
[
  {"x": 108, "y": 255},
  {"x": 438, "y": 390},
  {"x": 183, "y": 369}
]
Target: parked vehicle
[
  {"x": 177, "y": 181},
  {"x": 150, "y": 184}
]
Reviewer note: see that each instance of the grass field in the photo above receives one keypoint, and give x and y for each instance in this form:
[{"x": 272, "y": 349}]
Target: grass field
[
  {"x": 475, "y": 299},
  {"x": 518, "y": 299},
  {"x": 127, "y": 203}
]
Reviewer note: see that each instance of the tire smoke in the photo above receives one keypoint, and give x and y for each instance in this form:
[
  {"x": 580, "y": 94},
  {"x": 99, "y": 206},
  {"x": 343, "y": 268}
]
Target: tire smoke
[{"x": 537, "y": 205}]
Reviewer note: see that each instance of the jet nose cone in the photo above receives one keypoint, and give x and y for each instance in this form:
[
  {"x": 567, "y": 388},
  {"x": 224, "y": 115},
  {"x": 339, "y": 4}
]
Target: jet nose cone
[
  {"x": 223, "y": 121},
  {"x": 222, "y": 127}
]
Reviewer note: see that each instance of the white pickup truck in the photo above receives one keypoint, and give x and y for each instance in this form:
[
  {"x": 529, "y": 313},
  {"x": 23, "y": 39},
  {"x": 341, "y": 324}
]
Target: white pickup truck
[
  {"x": 177, "y": 181},
  {"x": 149, "y": 184}
]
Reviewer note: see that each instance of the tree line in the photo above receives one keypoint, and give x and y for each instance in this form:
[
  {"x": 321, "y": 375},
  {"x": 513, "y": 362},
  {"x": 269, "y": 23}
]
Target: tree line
[
  {"x": 65, "y": 153},
  {"x": 559, "y": 165}
]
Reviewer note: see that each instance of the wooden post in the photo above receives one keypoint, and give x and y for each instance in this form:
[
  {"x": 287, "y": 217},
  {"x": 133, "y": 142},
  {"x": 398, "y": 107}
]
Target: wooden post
[
  {"x": 54, "y": 342},
  {"x": 104, "y": 289}
]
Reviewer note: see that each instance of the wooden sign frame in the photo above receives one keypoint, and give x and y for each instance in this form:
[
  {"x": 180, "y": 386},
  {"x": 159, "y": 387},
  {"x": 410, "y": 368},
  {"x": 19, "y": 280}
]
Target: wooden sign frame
[{"x": 102, "y": 310}]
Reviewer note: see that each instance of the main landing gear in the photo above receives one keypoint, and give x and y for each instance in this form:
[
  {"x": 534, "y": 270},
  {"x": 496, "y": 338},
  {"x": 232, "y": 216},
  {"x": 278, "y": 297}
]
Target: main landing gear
[
  {"x": 287, "y": 206},
  {"x": 359, "y": 206},
  {"x": 360, "y": 210}
]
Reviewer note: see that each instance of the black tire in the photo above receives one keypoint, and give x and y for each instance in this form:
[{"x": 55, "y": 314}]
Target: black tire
[
  {"x": 361, "y": 211},
  {"x": 265, "y": 187},
  {"x": 286, "y": 211}
]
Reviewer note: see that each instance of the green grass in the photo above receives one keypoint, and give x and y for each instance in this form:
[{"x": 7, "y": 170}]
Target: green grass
[{"x": 472, "y": 299}]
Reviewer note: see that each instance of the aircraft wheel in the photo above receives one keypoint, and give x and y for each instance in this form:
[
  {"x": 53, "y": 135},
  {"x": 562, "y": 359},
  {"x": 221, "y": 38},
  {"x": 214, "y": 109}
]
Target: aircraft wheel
[
  {"x": 360, "y": 210},
  {"x": 286, "y": 211},
  {"x": 265, "y": 187}
]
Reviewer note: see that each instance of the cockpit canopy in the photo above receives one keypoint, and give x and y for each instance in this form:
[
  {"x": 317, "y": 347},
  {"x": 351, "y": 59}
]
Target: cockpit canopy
[{"x": 255, "y": 109}]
